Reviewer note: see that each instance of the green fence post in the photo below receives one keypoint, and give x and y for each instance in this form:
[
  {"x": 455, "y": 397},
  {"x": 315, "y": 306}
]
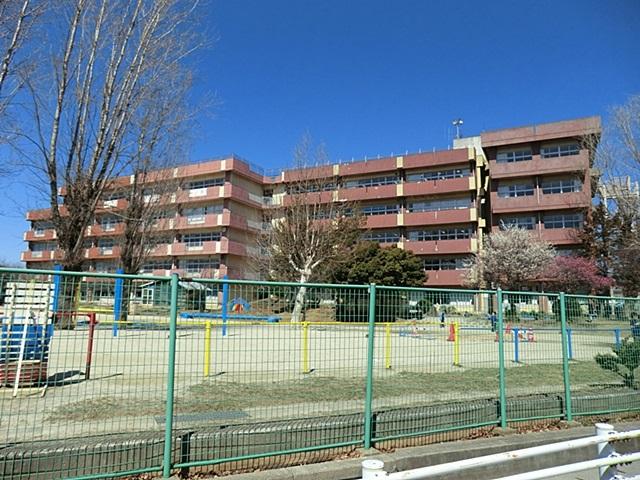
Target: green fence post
[
  {"x": 168, "y": 424},
  {"x": 501, "y": 371},
  {"x": 565, "y": 359},
  {"x": 368, "y": 415}
]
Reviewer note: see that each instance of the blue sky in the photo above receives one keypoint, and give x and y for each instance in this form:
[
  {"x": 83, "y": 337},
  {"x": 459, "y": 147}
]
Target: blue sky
[{"x": 376, "y": 77}]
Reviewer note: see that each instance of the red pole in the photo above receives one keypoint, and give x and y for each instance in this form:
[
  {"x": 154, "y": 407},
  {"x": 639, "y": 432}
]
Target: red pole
[{"x": 92, "y": 327}]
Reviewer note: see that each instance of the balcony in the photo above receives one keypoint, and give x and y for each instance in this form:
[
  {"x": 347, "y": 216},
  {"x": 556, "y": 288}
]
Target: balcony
[
  {"x": 368, "y": 193},
  {"x": 311, "y": 197},
  {"x": 210, "y": 220},
  {"x": 111, "y": 205},
  {"x": 446, "y": 278},
  {"x": 560, "y": 236},
  {"x": 432, "y": 159},
  {"x": 464, "y": 215},
  {"x": 201, "y": 194},
  {"x": 99, "y": 230},
  {"x": 555, "y": 236},
  {"x": 224, "y": 246},
  {"x": 41, "y": 235},
  {"x": 366, "y": 167},
  {"x": 448, "y": 247},
  {"x": 435, "y": 187},
  {"x": 539, "y": 201},
  {"x": 41, "y": 256},
  {"x": 382, "y": 221},
  {"x": 98, "y": 253},
  {"x": 540, "y": 166}
]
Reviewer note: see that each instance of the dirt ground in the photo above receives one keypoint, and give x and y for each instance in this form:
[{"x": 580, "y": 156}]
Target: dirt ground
[{"x": 269, "y": 371}]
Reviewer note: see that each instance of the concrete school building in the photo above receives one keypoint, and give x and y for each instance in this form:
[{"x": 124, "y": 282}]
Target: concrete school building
[{"x": 439, "y": 204}]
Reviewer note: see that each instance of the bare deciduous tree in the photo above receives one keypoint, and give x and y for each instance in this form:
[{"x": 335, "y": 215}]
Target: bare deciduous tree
[
  {"x": 309, "y": 230},
  {"x": 510, "y": 259},
  {"x": 16, "y": 20},
  {"x": 109, "y": 59}
]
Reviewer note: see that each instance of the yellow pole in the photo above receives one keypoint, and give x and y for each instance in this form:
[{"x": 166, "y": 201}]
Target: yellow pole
[
  {"x": 456, "y": 344},
  {"x": 305, "y": 347},
  {"x": 387, "y": 345},
  {"x": 207, "y": 347}
]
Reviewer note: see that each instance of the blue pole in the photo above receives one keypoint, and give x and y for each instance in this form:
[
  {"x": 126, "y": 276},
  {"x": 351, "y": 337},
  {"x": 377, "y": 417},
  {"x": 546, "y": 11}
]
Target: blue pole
[
  {"x": 117, "y": 303},
  {"x": 56, "y": 288},
  {"x": 569, "y": 346},
  {"x": 617, "y": 334},
  {"x": 516, "y": 350},
  {"x": 225, "y": 306}
]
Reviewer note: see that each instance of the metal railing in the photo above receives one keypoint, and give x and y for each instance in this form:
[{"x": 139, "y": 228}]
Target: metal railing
[
  {"x": 606, "y": 461},
  {"x": 129, "y": 374}
]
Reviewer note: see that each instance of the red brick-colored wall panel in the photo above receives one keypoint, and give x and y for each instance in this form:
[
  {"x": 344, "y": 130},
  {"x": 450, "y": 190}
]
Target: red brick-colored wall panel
[
  {"x": 435, "y": 187},
  {"x": 446, "y": 278},
  {"x": 431, "y": 159},
  {"x": 547, "y": 131},
  {"x": 437, "y": 218},
  {"x": 368, "y": 193},
  {"x": 439, "y": 247},
  {"x": 540, "y": 166},
  {"x": 366, "y": 167}
]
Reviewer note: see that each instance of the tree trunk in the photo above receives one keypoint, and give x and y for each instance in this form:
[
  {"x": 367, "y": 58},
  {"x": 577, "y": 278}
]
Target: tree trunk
[
  {"x": 68, "y": 297},
  {"x": 298, "y": 306}
]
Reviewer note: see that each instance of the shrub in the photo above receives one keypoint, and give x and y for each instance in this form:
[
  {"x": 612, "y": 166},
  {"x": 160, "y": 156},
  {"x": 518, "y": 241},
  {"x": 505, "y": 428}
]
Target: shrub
[{"x": 624, "y": 360}]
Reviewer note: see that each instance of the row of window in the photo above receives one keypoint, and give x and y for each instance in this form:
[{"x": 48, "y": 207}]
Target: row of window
[
  {"x": 551, "y": 151},
  {"x": 550, "y": 221},
  {"x": 198, "y": 239},
  {"x": 444, "y": 263},
  {"x": 555, "y": 186},
  {"x": 439, "y": 234},
  {"x": 437, "y": 205}
]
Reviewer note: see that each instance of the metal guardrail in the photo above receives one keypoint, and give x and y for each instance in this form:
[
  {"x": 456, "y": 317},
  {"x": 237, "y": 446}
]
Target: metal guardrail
[{"x": 606, "y": 462}]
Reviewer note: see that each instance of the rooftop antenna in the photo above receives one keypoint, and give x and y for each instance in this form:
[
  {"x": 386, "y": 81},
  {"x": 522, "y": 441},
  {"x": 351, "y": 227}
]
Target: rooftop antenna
[{"x": 456, "y": 123}]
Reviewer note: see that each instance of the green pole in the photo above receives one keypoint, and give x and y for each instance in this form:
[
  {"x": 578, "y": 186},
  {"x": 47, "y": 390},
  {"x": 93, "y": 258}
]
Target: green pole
[
  {"x": 501, "y": 372},
  {"x": 565, "y": 359},
  {"x": 368, "y": 417},
  {"x": 168, "y": 425}
]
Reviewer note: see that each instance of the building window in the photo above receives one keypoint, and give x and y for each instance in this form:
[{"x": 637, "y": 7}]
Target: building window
[
  {"x": 310, "y": 187},
  {"x": 105, "y": 267},
  {"x": 156, "y": 265},
  {"x": 105, "y": 246},
  {"x": 438, "y": 175},
  {"x": 209, "y": 182},
  {"x": 568, "y": 185},
  {"x": 440, "y": 234},
  {"x": 552, "y": 151},
  {"x": 371, "y": 182},
  {"x": 380, "y": 209},
  {"x": 511, "y": 156},
  {"x": 197, "y": 215},
  {"x": 197, "y": 265},
  {"x": 39, "y": 228},
  {"x": 198, "y": 239},
  {"x": 43, "y": 246},
  {"x": 563, "y": 220},
  {"x": 109, "y": 223},
  {"x": 444, "y": 264},
  {"x": 436, "y": 205},
  {"x": 515, "y": 190},
  {"x": 525, "y": 223},
  {"x": 381, "y": 237}
]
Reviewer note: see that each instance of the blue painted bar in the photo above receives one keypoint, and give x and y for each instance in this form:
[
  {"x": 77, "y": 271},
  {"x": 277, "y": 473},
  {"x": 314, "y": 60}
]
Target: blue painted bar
[
  {"x": 516, "y": 345},
  {"x": 56, "y": 288},
  {"x": 117, "y": 303},
  {"x": 616, "y": 332},
  {"x": 260, "y": 318},
  {"x": 569, "y": 345},
  {"x": 225, "y": 306}
]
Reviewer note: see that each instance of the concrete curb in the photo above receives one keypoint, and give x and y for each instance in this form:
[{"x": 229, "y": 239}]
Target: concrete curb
[{"x": 434, "y": 454}]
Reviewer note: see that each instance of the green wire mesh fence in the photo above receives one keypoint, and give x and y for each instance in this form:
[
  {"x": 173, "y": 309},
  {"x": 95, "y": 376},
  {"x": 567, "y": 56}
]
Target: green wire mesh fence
[{"x": 105, "y": 375}]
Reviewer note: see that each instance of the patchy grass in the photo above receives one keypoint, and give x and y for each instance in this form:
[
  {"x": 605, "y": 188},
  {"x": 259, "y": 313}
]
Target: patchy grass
[{"x": 217, "y": 395}]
